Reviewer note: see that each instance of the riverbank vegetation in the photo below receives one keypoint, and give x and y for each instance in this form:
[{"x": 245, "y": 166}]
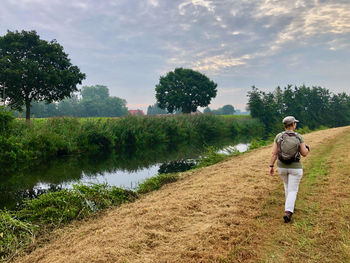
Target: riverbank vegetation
[{"x": 24, "y": 144}]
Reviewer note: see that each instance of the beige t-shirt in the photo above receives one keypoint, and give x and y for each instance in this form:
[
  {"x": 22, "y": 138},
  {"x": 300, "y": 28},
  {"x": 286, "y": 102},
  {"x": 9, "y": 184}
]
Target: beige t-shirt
[{"x": 293, "y": 165}]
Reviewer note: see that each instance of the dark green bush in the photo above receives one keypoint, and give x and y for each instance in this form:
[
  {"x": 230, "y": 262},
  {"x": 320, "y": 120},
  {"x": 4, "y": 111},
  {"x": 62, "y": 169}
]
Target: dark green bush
[
  {"x": 61, "y": 207},
  {"x": 6, "y": 119},
  {"x": 303, "y": 130},
  {"x": 12, "y": 154},
  {"x": 53, "y": 208},
  {"x": 210, "y": 157},
  {"x": 257, "y": 143}
]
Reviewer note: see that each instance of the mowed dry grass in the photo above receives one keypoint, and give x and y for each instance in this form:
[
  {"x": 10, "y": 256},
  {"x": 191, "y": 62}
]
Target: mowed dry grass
[{"x": 211, "y": 213}]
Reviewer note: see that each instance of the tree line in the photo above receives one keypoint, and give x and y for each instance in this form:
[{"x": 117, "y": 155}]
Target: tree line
[
  {"x": 92, "y": 101},
  {"x": 225, "y": 110},
  {"x": 313, "y": 106}
]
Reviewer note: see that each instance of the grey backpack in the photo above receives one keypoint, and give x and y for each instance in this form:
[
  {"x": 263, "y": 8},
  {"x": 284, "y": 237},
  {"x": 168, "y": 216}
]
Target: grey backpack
[{"x": 288, "y": 148}]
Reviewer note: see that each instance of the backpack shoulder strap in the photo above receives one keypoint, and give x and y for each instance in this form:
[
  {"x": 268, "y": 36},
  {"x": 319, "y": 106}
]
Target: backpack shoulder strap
[
  {"x": 298, "y": 136},
  {"x": 292, "y": 134},
  {"x": 279, "y": 138}
]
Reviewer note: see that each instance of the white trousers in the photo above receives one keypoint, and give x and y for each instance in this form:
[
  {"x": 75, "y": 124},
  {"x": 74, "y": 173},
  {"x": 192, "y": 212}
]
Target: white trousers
[{"x": 291, "y": 179}]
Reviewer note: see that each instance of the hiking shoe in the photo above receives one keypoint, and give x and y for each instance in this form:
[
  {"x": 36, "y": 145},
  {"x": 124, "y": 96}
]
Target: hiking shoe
[{"x": 287, "y": 216}]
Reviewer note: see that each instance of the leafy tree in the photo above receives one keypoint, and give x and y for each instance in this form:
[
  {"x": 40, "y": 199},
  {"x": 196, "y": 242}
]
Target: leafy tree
[
  {"x": 70, "y": 107},
  {"x": 43, "y": 110},
  {"x": 97, "y": 92},
  {"x": 96, "y": 102},
  {"x": 154, "y": 110},
  {"x": 114, "y": 107},
  {"x": 6, "y": 118},
  {"x": 228, "y": 110},
  {"x": 217, "y": 111},
  {"x": 255, "y": 103},
  {"x": 35, "y": 70},
  {"x": 340, "y": 110},
  {"x": 225, "y": 110},
  {"x": 184, "y": 89},
  {"x": 207, "y": 110}
]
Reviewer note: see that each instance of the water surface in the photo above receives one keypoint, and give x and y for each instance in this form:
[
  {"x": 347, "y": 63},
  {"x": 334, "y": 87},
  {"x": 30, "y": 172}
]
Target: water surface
[{"x": 118, "y": 169}]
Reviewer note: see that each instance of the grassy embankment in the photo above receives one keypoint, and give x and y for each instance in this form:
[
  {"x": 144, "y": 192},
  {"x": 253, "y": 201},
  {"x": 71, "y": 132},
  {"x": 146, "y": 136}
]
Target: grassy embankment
[
  {"x": 320, "y": 230},
  {"x": 44, "y": 139},
  {"x": 37, "y": 217}
]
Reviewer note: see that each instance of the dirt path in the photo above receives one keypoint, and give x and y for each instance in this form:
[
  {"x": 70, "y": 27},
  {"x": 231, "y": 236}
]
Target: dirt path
[{"x": 211, "y": 213}]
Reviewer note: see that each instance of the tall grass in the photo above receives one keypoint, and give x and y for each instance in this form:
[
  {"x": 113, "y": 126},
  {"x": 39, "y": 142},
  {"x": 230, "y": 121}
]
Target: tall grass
[
  {"x": 61, "y": 207},
  {"x": 211, "y": 157},
  {"x": 156, "y": 182},
  {"x": 27, "y": 144}
]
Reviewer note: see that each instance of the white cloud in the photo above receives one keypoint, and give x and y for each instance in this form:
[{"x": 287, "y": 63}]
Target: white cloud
[
  {"x": 231, "y": 90},
  {"x": 340, "y": 44},
  {"x": 80, "y": 5},
  {"x": 185, "y": 27},
  {"x": 319, "y": 19},
  {"x": 330, "y": 18},
  {"x": 275, "y": 8},
  {"x": 153, "y": 3},
  {"x": 216, "y": 63},
  {"x": 24, "y": 2},
  {"x": 203, "y": 3}
]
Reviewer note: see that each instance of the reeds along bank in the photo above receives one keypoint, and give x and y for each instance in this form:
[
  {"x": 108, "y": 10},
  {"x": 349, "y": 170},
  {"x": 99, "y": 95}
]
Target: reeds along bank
[{"x": 23, "y": 144}]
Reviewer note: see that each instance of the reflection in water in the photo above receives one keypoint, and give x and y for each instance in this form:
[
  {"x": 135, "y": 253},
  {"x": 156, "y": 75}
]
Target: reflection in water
[
  {"x": 241, "y": 147},
  {"x": 119, "y": 169},
  {"x": 176, "y": 166}
]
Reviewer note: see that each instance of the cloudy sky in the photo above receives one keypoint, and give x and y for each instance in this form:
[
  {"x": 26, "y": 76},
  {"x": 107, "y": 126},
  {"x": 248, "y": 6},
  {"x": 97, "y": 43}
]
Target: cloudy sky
[{"x": 128, "y": 44}]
